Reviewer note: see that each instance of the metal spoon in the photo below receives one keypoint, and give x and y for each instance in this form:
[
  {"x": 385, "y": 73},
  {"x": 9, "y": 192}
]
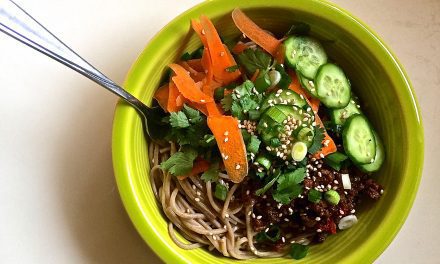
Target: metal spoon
[{"x": 17, "y": 23}]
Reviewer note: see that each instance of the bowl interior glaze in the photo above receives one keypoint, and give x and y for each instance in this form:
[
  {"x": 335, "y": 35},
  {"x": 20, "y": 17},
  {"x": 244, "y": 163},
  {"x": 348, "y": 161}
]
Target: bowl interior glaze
[{"x": 377, "y": 78}]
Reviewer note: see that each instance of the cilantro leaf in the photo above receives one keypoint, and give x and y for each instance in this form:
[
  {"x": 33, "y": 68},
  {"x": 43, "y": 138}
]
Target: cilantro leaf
[
  {"x": 252, "y": 60},
  {"x": 179, "y": 120},
  {"x": 237, "y": 111},
  {"x": 232, "y": 68},
  {"x": 193, "y": 115},
  {"x": 253, "y": 145},
  {"x": 180, "y": 163},
  {"x": 314, "y": 196},
  {"x": 289, "y": 187},
  {"x": 317, "y": 140},
  {"x": 211, "y": 174},
  {"x": 227, "y": 102}
]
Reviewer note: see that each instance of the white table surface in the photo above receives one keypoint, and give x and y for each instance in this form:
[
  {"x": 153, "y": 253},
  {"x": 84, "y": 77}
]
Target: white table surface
[{"x": 58, "y": 199}]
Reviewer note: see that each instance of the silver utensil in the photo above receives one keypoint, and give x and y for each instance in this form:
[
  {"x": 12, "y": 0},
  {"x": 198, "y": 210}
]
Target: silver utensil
[{"x": 17, "y": 23}]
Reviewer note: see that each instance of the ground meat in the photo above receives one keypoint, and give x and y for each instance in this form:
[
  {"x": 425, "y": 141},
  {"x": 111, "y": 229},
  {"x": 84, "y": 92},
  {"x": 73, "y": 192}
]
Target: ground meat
[{"x": 302, "y": 216}]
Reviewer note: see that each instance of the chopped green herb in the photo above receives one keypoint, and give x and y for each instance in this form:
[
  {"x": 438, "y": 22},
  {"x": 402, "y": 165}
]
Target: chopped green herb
[
  {"x": 246, "y": 135},
  {"x": 179, "y": 120},
  {"x": 298, "y": 251},
  {"x": 185, "y": 56},
  {"x": 314, "y": 196},
  {"x": 254, "y": 144},
  {"x": 254, "y": 114},
  {"x": 273, "y": 234},
  {"x": 237, "y": 111},
  {"x": 267, "y": 186},
  {"x": 317, "y": 140},
  {"x": 232, "y": 68},
  {"x": 211, "y": 174},
  {"x": 275, "y": 142},
  {"x": 220, "y": 192},
  {"x": 180, "y": 163},
  {"x": 227, "y": 102},
  {"x": 289, "y": 187},
  {"x": 252, "y": 60},
  {"x": 193, "y": 115},
  {"x": 219, "y": 93}
]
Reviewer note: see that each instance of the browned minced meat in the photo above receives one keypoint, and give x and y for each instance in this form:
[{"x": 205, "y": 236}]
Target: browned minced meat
[{"x": 304, "y": 217}]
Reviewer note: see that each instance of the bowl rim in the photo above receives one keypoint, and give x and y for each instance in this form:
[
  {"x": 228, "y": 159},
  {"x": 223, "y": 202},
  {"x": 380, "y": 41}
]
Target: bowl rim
[{"x": 128, "y": 192}]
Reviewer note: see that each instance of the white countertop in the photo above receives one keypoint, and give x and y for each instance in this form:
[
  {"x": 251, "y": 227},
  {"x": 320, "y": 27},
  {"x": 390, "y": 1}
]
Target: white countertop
[{"x": 58, "y": 199}]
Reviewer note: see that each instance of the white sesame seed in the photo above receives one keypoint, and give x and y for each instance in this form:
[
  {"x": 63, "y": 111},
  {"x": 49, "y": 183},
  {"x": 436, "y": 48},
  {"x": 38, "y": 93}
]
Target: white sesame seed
[
  {"x": 279, "y": 205},
  {"x": 226, "y": 133},
  {"x": 198, "y": 193},
  {"x": 286, "y": 219},
  {"x": 188, "y": 210},
  {"x": 194, "y": 187},
  {"x": 202, "y": 101},
  {"x": 253, "y": 215},
  {"x": 237, "y": 167},
  {"x": 226, "y": 215},
  {"x": 353, "y": 211},
  {"x": 266, "y": 230},
  {"x": 259, "y": 217},
  {"x": 203, "y": 32},
  {"x": 290, "y": 210},
  {"x": 321, "y": 155},
  {"x": 318, "y": 218},
  {"x": 197, "y": 199},
  {"x": 249, "y": 213},
  {"x": 226, "y": 140},
  {"x": 226, "y": 157},
  {"x": 283, "y": 239},
  {"x": 381, "y": 191},
  {"x": 222, "y": 53},
  {"x": 281, "y": 214},
  {"x": 318, "y": 230},
  {"x": 336, "y": 181}
]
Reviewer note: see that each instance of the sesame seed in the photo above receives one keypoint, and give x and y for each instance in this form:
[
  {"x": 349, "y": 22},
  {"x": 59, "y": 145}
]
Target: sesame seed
[
  {"x": 318, "y": 218},
  {"x": 248, "y": 192},
  {"x": 226, "y": 133},
  {"x": 336, "y": 181},
  {"x": 210, "y": 233},
  {"x": 222, "y": 53},
  {"x": 381, "y": 191},
  {"x": 290, "y": 210},
  {"x": 198, "y": 193},
  {"x": 259, "y": 217},
  {"x": 194, "y": 187},
  {"x": 226, "y": 157},
  {"x": 203, "y": 32},
  {"x": 341, "y": 212},
  {"x": 286, "y": 219},
  {"x": 266, "y": 230},
  {"x": 279, "y": 206},
  {"x": 353, "y": 211},
  {"x": 253, "y": 215},
  {"x": 214, "y": 237},
  {"x": 318, "y": 230},
  {"x": 197, "y": 199},
  {"x": 226, "y": 140},
  {"x": 283, "y": 239},
  {"x": 281, "y": 214},
  {"x": 321, "y": 155},
  {"x": 188, "y": 211},
  {"x": 249, "y": 213},
  {"x": 237, "y": 167},
  {"x": 226, "y": 215}
]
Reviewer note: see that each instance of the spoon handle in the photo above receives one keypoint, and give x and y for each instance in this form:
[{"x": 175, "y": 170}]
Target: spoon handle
[{"x": 15, "y": 22}]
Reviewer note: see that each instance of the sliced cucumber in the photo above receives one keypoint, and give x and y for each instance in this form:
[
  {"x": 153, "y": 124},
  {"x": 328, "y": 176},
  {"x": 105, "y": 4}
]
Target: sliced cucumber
[
  {"x": 307, "y": 84},
  {"x": 358, "y": 140},
  {"x": 286, "y": 97},
  {"x": 339, "y": 116},
  {"x": 332, "y": 86},
  {"x": 305, "y": 54},
  {"x": 378, "y": 159}
]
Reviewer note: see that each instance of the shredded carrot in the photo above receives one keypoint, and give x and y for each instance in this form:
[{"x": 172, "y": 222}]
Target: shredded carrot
[
  {"x": 239, "y": 47},
  {"x": 187, "y": 87},
  {"x": 213, "y": 109},
  {"x": 198, "y": 28},
  {"x": 231, "y": 145},
  {"x": 200, "y": 165},
  {"x": 195, "y": 75},
  {"x": 254, "y": 32},
  {"x": 172, "y": 98},
  {"x": 279, "y": 55},
  {"x": 196, "y": 64},
  {"x": 218, "y": 53},
  {"x": 255, "y": 75},
  {"x": 329, "y": 145},
  {"x": 161, "y": 95}
]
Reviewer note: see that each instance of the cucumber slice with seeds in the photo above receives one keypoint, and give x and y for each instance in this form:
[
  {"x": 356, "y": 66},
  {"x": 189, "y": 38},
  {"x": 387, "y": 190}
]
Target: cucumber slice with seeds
[
  {"x": 304, "y": 54},
  {"x": 332, "y": 86},
  {"x": 358, "y": 140},
  {"x": 378, "y": 159},
  {"x": 339, "y": 116},
  {"x": 307, "y": 84},
  {"x": 286, "y": 97}
]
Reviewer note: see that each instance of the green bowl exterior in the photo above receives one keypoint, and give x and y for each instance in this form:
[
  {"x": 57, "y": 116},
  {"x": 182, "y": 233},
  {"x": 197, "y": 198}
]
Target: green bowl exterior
[{"x": 377, "y": 78}]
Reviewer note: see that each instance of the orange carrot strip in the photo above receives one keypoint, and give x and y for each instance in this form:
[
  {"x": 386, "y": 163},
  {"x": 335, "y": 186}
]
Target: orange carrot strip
[
  {"x": 161, "y": 95},
  {"x": 200, "y": 165},
  {"x": 197, "y": 27},
  {"x": 254, "y": 32},
  {"x": 255, "y": 75},
  {"x": 218, "y": 53},
  {"x": 230, "y": 143},
  {"x": 187, "y": 87},
  {"x": 196, "y": 64},
  {"x": 180, "y": 101},
  {"x": 329, "y": 145},
  {"x": 172, "y": 98},
  {"x": 239, "y": 48},
  {"x": 213, "y": 109}
]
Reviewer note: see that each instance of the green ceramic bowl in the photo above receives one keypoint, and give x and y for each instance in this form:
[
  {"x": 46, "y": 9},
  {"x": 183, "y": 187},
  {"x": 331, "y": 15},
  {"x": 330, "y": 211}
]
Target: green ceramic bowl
[{"x": 376, "y": 76}]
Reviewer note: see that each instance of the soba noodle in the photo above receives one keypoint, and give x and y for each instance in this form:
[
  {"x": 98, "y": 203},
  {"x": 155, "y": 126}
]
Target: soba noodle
[{"x": 190, "y": 207}]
